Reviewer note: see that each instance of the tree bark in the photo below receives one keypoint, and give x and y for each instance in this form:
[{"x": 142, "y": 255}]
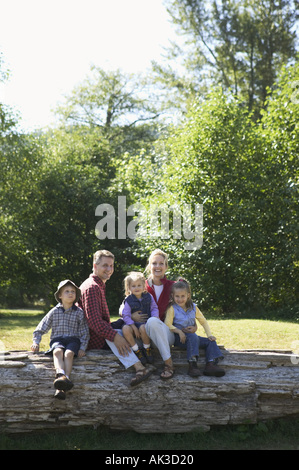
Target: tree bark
[{"x": 259, "y": 385}]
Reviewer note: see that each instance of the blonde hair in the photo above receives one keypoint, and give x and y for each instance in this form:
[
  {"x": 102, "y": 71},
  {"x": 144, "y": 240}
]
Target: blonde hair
[
  {"x": 131, "y": 277},
  {"x": 156, "y": 252}
]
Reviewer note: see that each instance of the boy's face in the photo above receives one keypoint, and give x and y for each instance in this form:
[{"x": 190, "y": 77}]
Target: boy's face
[{"x": 67, "y": 295}]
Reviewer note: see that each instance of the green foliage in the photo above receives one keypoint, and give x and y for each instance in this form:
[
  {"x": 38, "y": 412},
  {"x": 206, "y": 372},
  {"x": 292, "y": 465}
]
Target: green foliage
[
  {"x": 240, "y": 45},
  {"x": 246, "y": 176}
]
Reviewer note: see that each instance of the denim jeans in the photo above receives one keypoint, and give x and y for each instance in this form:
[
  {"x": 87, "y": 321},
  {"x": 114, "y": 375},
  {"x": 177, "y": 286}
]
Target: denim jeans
[{"x": 194, "y": 343}]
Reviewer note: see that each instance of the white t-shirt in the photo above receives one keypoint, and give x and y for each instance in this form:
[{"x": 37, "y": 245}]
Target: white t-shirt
[{"x": 158, "y": 290}]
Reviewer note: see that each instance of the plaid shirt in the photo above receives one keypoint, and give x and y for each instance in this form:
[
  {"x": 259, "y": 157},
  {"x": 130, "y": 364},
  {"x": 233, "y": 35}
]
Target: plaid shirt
[
  {"x": 93, "y": 302},
  {"x": 70, "y": 322}
]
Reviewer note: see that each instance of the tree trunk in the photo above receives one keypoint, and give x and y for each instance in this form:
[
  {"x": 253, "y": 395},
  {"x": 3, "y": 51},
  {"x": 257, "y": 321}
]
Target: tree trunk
[{"x": 259, "y": 385}]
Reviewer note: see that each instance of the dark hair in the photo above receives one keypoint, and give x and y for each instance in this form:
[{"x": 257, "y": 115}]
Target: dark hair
[{"x": 181, "y": 284}]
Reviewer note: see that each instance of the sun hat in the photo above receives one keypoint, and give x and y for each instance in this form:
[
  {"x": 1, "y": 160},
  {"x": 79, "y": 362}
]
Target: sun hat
[{"x": 64, "y": 283}]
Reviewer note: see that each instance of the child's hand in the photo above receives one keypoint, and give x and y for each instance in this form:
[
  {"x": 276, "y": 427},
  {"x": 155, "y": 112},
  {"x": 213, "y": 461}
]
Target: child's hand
[
  {"x": 182, "y": 336},
  {"x": 135, "y": 331},
  {"x": 212, "y": 338},
  {"x": 35, "y": 348},
  {"x": 81, "y": 353}
]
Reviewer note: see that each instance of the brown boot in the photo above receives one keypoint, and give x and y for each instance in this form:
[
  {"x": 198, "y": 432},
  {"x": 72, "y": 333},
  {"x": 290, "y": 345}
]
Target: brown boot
[
  {"x": 213, "y": 370},
  {"x": 193, "y": 371}
]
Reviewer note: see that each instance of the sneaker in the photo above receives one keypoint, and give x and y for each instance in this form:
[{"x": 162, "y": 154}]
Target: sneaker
[
  {"x": 141, "y": 357},
  {"x": 148, "y": 353},
  {"x": 61, "y": 382},
  {"x": 193, "y": 371},
  {"x": 213, "y": 371}
]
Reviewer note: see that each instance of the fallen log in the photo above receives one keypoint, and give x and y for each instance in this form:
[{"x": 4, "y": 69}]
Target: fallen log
[{"x": 259, "y": 385}]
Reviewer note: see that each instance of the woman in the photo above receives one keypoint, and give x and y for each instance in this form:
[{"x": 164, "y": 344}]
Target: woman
[{"x": 159, "y": 286}]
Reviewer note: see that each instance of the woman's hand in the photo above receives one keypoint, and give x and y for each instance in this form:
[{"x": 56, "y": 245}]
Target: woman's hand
[{"x": 139, "y": 317}]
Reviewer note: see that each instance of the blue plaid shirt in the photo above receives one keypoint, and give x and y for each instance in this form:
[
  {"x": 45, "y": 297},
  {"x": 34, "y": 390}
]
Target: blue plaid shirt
[{"x": 71, "y": 322}]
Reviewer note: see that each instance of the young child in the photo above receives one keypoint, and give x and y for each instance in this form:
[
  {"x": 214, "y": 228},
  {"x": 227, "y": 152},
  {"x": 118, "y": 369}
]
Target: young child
[
  {"x": 181, "y": 318},
  {"x": 138, "y": 300},
  {"x": 69, "y": 336}
]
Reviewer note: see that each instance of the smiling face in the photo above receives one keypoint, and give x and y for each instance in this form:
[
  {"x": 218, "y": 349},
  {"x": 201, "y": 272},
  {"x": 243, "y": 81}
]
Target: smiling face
[
  {"x": 137, "y": 287},
  {"x": 158, "y": 268},
  {"x": 180, "y": 297},
  {"x": 104, "y": 268}
]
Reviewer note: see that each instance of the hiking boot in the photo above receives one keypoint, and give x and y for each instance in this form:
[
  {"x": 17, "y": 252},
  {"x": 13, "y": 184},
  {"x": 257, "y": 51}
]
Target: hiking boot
[
  {"x": 193, "y": 370},
  {"x": 213, "y": 370},
  {"x": 148, "y": 353},
  {"x": 141, "y": 357}
]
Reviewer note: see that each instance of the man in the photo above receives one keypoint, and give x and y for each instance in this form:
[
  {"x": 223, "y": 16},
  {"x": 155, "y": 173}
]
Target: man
[{"x": 93, "y": 302}]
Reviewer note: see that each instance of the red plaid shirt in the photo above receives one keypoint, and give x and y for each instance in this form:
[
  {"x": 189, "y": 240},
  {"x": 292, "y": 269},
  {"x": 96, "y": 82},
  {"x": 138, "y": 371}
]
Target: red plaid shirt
[{"x": 93, "y": 303}]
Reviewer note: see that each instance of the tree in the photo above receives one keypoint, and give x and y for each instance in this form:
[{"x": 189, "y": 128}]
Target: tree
[
  {"x": 240, "y": 45},
  {"x": 121, "y": 106},
  {"x": 245, "y": 174}
]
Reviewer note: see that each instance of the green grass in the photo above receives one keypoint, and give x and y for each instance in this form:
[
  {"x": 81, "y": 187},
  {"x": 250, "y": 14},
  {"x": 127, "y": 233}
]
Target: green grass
[{"x": 17, "y": 325}]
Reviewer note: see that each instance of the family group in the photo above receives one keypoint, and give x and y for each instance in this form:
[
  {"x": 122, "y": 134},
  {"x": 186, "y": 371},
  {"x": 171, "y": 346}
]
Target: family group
[{"x": 156, "y": 311}]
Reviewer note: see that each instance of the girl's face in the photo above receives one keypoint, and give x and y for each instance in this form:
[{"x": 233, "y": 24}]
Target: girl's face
[
  {"x": 158, "y": 267},
  {"x": 137, "y": 287},
  {"x": 180, "y": 297}
]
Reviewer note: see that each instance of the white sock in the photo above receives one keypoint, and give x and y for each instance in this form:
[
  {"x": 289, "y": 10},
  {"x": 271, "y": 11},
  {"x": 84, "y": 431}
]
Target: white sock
[
  {"x": 60, "y": 371},
  {"x": 146, "y": 346},
  {"x": 135, "y": 347}
]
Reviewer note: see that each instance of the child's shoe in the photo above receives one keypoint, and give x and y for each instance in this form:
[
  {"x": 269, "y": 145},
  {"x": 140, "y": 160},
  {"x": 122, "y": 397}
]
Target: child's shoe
[
  {"x": 213, "y": 370},
  {"x": 193, "y": 371},
  {"x": 61, "y": 382},
  {"x": 148, "y": 353},
  {"x": 60, "y": 394},
  {"x": 141, "y": 357}
]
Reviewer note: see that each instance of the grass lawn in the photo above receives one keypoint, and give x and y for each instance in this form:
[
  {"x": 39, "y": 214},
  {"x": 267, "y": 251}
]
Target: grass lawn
[{"x": 17, "y": 325}]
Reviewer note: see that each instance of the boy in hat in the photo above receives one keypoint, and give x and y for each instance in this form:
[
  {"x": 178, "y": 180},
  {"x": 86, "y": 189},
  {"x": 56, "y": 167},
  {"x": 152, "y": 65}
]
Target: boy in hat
[{"x": 69, "y": 336}]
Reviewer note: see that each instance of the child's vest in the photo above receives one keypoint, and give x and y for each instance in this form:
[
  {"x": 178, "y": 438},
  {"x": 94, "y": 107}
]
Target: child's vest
[
  {"x": 183, "y": 318},
  {"x": 143, "y": 304}
]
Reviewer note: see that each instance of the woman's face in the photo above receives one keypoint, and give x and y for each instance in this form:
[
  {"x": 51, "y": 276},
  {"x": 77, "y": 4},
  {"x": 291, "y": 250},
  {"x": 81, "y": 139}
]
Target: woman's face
[{"x": 158, "y": 267}]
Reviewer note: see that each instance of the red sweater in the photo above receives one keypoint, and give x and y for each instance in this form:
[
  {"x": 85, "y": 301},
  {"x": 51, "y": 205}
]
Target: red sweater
[{"x": 164, "y": 297}]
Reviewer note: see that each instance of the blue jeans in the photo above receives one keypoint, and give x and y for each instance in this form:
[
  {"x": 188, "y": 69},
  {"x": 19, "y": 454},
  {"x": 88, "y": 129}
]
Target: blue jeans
[{"x": 194, "y": 343}]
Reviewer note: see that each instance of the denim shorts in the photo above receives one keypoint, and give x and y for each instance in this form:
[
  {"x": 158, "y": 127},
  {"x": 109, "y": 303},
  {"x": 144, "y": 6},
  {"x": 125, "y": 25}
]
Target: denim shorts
[{"x": 65, "y": 342}]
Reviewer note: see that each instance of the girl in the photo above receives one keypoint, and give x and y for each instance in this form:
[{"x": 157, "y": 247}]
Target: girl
[
  {"x": 138, "y": 300},
  {"x": 181, "y": 319},
  {"x": 159, "y": 287}
]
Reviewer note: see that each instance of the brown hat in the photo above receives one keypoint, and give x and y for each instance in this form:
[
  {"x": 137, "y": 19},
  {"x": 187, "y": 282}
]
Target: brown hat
[{"x": 64, "y": 283}]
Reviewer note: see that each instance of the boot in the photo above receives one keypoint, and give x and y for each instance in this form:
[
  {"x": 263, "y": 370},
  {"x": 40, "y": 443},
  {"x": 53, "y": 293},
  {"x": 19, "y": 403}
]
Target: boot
[{"x": 193, "y": 371}]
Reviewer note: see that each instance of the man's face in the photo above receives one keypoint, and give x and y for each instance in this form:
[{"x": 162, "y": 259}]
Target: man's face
[{"x": 104, "y": 269}]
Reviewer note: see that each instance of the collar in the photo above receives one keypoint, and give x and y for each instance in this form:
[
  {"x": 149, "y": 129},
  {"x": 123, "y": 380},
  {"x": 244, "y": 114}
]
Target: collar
[{"x": 150, "y": 281}]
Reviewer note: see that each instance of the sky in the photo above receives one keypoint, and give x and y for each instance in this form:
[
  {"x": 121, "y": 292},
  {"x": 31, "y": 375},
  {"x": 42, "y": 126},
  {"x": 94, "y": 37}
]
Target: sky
[{"x": 48, "y": 46}]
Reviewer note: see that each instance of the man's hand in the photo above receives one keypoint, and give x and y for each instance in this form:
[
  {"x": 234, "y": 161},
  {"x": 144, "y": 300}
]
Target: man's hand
[
  {"x": 122, "y": 345},
  {"x": 81, "y": 353}
]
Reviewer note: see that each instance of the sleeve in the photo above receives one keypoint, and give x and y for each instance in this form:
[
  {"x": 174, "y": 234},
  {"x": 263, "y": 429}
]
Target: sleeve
[
  {"x": 154, "y": 308},
  {"x": 91, "y": 302},
  {"x": 169, "y": 318},
  {"x": 126, "y": 314},
  {"x": 201, "y": 319},
  {"x": 43, "y": 327}
]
